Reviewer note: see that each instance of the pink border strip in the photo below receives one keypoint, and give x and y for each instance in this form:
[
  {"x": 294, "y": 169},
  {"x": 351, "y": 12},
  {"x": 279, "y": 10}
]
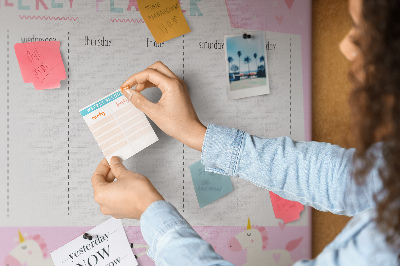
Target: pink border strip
[{"x": 217, "y": 236}]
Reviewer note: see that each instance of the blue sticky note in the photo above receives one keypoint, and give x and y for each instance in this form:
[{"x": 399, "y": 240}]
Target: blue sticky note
[{"x": 209, "y": 186}]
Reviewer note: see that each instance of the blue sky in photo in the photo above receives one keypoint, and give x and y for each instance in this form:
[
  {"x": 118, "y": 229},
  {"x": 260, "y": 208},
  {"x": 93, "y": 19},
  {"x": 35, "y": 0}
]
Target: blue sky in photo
[{"x": 248, "y": 47}]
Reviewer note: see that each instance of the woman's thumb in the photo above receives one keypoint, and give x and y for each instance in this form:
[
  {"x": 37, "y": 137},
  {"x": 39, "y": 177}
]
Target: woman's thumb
[
  {"x": 117, "y": 167},
  {"x": 138, "y": 100}
]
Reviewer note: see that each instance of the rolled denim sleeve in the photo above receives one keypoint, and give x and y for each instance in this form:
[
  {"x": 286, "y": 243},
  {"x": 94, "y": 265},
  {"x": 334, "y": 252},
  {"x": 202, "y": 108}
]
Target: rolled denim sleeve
[
  {"x": 172, "y": 240},
  {"x": 313, "y": 173}
]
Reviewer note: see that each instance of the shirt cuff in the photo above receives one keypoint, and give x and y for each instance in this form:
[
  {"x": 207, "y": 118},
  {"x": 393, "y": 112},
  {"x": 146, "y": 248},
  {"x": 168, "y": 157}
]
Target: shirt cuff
[
  {"x": 222, "y": 148},
  {"x": 158, "y": 219}
]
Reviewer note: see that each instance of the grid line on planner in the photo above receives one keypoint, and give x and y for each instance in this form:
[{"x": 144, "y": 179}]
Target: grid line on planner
[
  {"x": 118, "y": 126},
  {"x": 112, "y": 141},
  {"x": 132, "y": 121},
  {"x": 104, "y": 129},
  {"x": 139, "y": 134},
  {"x": 108, "y": 135},
  {"x": 101, "y": 123}
]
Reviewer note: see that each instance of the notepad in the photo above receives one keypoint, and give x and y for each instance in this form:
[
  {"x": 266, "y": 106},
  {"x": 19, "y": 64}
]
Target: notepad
[
  {"x": 209, "y": 186},
  {"x": 118, "y": 126}
]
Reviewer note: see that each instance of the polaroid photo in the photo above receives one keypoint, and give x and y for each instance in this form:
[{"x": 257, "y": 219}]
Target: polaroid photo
[{"x": 246, "y": 64}]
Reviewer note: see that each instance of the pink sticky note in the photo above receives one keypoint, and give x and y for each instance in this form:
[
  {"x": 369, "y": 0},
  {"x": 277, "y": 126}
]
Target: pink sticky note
[
  {"x": 41, "y": 64},
  {"x": 284, "y": 209}
]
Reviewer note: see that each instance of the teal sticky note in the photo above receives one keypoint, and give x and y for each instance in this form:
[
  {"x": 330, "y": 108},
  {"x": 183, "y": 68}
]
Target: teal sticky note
[{"x": 209, "y": 186}]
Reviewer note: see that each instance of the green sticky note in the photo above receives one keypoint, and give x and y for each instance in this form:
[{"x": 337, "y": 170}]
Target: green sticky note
[{"x": 209, "y": 186}]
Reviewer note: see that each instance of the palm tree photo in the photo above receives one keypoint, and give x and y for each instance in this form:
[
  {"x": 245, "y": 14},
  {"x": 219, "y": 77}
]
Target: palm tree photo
[{"x": 241, "y": 51}]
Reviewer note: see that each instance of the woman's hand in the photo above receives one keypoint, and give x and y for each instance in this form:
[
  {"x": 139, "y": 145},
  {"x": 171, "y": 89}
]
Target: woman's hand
[
  {"x": 127, "y": 197},
  {"x": 174, "y": 113}
]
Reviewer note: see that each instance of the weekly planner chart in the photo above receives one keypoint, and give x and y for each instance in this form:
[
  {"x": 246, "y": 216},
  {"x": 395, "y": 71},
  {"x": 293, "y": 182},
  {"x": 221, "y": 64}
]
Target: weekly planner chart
[{"x": 51, "y": 140}]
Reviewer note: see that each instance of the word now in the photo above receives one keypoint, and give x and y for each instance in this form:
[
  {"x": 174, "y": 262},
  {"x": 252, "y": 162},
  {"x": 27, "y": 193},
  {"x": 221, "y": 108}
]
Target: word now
[{"x": 94, "y": 258}]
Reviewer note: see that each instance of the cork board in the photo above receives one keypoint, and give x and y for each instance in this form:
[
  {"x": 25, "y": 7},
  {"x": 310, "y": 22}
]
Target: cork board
[{"x": 330, "y": 97}]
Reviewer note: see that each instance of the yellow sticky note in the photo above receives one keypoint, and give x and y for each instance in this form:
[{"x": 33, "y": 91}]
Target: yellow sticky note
[{"x": 164, "y": 18}]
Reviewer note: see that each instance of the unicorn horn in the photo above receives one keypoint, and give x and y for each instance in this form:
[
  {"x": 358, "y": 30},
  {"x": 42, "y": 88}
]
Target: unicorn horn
[
  {"x": 248, "y": 223},
  {"x": 21, "y": 238}
]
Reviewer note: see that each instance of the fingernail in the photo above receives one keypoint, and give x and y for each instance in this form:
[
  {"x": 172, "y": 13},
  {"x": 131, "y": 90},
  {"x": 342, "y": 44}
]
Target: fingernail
[
  {"x": 128, "y": 94},
  {"x": 115, "y": 160}
]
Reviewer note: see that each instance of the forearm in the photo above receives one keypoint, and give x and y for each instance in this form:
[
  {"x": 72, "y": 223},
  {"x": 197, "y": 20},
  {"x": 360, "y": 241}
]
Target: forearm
[
  {"x": 312, "y": 173},
  {"x": 172, "y": 240}
]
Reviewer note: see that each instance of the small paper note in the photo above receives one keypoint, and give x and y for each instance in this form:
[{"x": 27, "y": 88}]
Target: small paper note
[
  {"x": 284, "y": 209},
  {"x": 109, "y": 246},
  {"x": 209, "y": 186},
  {"x": 41, "y": 64},
  {"x": 164, "y": 18},
  {"x": 118, "y": 126}
]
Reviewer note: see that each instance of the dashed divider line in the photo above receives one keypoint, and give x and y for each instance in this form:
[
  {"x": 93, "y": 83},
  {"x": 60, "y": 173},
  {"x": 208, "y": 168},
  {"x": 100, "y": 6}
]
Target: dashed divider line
[
  {"x": 8, "y": 123},
  {"x": 68, "y": 119},
  {"x": 183, "y": 145},
  {"x": 290, "y": 86}
]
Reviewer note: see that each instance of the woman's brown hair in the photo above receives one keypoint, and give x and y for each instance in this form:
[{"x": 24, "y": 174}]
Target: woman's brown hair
[{"x": 375, "y": 103}]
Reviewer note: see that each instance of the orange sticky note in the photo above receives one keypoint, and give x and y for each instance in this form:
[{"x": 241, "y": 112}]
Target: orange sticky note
[
  {"x": 284, "y": 209},
  {"x": 41, "y": 64},
  {"x": 164, "y": 18}
]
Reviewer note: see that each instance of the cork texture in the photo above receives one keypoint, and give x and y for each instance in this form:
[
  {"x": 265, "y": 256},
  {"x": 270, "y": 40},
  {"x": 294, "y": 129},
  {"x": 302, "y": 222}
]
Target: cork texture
[{"x": 331, "y": 89}]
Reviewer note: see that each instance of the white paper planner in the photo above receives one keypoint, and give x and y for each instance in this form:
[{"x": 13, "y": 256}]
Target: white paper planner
[{"x": 118, "y": 126}]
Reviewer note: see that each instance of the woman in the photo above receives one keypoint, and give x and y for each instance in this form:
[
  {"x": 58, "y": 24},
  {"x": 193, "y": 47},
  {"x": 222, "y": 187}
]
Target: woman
[{"x": 363, "y": 183}]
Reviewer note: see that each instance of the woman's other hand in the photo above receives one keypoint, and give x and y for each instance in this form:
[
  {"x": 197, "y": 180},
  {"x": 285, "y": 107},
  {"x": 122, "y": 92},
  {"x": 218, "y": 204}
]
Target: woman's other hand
[{"x": 127, "y": 197}]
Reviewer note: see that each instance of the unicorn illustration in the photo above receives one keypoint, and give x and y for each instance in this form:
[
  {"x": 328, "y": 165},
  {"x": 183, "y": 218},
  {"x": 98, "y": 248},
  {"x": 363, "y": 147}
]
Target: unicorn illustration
[
  {"x": 29, "y": 252},
  {"x": 254, "y": 240}
]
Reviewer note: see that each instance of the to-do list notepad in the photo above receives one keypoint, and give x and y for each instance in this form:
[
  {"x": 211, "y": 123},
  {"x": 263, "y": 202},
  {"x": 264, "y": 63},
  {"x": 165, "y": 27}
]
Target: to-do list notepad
[{"x": 118, "y": 126}]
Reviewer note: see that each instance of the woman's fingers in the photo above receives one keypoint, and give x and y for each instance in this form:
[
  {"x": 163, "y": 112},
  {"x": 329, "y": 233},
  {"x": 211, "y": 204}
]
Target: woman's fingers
[
  {"x": 141, "y": 102},
  {"x": 110, "y": 177},
  {"x": 159, "y": 80},
  {"x": 142, "y": 86},
  {"x": 160, "y": 67},
  {"x": 100, "y": 174}
]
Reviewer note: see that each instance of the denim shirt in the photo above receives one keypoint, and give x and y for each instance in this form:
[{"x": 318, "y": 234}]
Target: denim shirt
[{"x": 312, "y": 173}]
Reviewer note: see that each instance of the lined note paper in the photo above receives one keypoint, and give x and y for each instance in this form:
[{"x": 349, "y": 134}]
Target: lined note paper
[{"x": 118, "y": 126}]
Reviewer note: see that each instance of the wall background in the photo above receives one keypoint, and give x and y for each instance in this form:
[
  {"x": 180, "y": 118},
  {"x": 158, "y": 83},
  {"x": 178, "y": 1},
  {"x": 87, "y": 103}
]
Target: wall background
[{"x": 331, "y": 89}]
